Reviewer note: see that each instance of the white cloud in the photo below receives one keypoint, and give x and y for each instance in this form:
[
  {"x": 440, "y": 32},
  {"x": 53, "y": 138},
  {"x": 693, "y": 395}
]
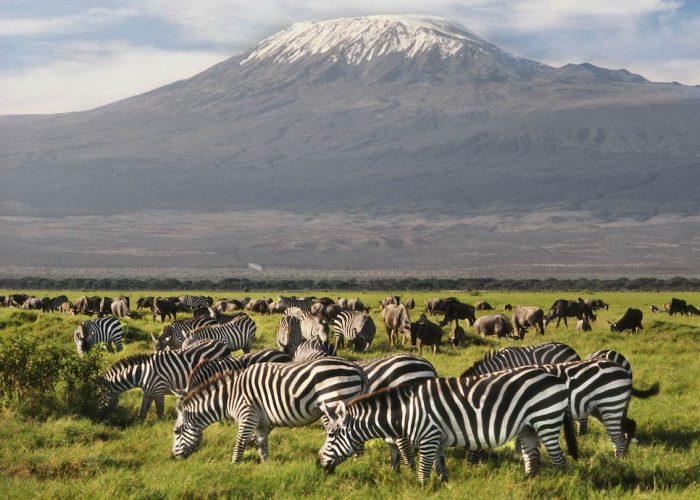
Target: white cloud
[
  {"x": 26, "y": 26},
  {"x": 96, "y": 74}
]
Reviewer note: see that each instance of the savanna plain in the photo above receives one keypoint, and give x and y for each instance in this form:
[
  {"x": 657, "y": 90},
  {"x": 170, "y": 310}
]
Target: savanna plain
[{"x": 60, "y": 454}]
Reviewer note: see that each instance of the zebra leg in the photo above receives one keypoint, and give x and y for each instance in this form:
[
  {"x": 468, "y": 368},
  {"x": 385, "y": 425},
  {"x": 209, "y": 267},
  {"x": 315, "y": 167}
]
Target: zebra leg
[
  {"x": 119, "y": 345},
  {"x": 582, "y": 426},
  {"x": 428, "y": 450},
  {"x": 360, "y": 450},
  {"x": 261, "y": 434},
  {"x": 109, "y": 347},
  {"x": 531, "y": 450},
  {"x": 475, "y": 456},
  {"x": 550, "y": 439},
  {"x": 145, "y": 405},
  {"x": 440, "y": 465},
  {"x": 408, "y": 455},
  {"x": 247, "y": 426},
  {"x": 518, "y": 445},
  {"x": 160, "y": 406},
  {"x": 613, "y": 423},
  {"x": 395, "y": 455}
]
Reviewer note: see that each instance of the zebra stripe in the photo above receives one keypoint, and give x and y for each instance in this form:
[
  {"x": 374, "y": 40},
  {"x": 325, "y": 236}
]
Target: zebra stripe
[
  {"x": 474, "y": 413},
  {"x": 612, "y": 356},
  {"x": 289, "y": 334},
  {"x": 313, "y": 328},
  {"x": 262, "y": 397},
  {"x": 157, "y": 373},
  {"x": 195, "y": 302},
  {"x": 107, "y": 330},
  {"x": 514, "y": 357},
  {"x": 211, "y": 368},
  {"x": 356, "y": 327},
  {"x": 238, "y": 334},
  {"x": 314, "y": 349},
  {"x": 173, "y": 335}
]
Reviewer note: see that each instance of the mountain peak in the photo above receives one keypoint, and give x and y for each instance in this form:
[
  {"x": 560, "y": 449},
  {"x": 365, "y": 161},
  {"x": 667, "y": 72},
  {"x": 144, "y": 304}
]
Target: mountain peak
[{"x": 359, "y": 39}]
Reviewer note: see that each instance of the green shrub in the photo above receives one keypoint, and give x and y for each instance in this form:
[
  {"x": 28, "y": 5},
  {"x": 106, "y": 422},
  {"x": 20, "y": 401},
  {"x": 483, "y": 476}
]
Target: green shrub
[{"x": 81, "y": 375}]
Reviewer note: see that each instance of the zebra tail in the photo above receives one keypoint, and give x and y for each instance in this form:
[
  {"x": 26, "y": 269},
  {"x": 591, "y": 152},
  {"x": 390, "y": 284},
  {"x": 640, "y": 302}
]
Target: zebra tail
[
  {"x": 570, "y": 435},
  {"x": 652, "y": 391}
]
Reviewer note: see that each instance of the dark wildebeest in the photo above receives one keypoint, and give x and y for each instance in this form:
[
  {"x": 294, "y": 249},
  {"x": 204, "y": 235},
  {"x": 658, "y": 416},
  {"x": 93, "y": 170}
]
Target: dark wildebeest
[
  {"x": 105, "y": 307},
  {"x": 16, "y": 299},
  {"x": 87, "y": 305},
  {"x": 2, "y": 300},
  {"x": 562, "y": 308},
  {"x": 410, "y": 304},
  {"x": 164, "y": 307},
  {"x": 631, "y": 320},
  {"x": 425, "y": 332},
  {"x": 524, "y": 317},
  {"x": 57, "y": 301},
  {"x": 457, "y": 335},
  {"x": 691, "y": 309},
  {"x": 678, "y": 306},
  {"x": 326, "y": 301},
  {"x": 456, "y": 311},
  {"x": 356, "y": 305},
  {"x": 342, "y": 302},
  {"x": 120, "y": 307},
  {"x": 326, "y": 312},
  {"x": 144, "y": 303},
  {"x": 482, "y": 305},
  {"x": 596, "y": 304},
  {"x": 583, "y": 325},
  {"x": 258, "y": 306},
  {"x": 507, "y": 307},
  {"x": 31, "y": 303},
  {"x": 390, "y": 300},
  {"x": 396, "y": 320},
  {"x": 654, "y": 309},
  {"x": 495, "y": 324},
  {"x": 438, "y": 306}
]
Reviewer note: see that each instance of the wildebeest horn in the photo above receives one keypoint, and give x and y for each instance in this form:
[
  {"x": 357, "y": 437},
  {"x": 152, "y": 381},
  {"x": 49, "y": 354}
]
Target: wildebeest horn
[{"x": 609, "y": 323}]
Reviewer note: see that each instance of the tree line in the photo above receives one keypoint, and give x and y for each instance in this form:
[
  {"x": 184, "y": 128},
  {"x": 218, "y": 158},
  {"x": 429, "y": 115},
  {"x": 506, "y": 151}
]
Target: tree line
[{"x": 677, "y": 283}]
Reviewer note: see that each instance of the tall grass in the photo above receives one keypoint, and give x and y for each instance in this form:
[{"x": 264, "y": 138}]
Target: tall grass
[{"x": 75, "y": 457}]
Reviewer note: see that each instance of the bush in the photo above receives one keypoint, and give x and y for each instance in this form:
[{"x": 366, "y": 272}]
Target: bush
[{"x": 82, "y": 375}]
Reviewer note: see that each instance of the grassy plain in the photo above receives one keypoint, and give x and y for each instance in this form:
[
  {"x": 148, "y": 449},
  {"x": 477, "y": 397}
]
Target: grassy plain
[{"x": 69, "y": 457}]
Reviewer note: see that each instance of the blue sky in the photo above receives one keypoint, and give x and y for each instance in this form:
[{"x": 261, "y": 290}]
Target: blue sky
[{"x": 67, "y": 55}]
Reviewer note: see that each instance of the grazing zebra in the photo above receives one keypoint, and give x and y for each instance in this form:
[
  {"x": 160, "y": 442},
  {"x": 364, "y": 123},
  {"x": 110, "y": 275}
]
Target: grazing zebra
[
  {"x": 514, "y": 357},
  {"x": 239, "y": 334},
  {"x": 262, "y": 397},
  {"x": 314, "y": 349},
  {"x": 210, "y": 368},
  {"x": 356, "y": 327},
  {"x": 474, "y": 413},
  {"x": 313, "y": 328},
  {"x": 303, "y": 303},
  {"x": 108, "y": 330},
  {"x": 289, "y": 334},
  {"x": 173, "y": 335},
  {"x": 195, "y": 302},
  {"x": 603, "y": 389},
  {"x": 157, "y": 373}
]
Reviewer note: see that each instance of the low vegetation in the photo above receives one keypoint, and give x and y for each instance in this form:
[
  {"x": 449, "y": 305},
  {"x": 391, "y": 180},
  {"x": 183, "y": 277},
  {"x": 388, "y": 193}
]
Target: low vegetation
[{"x": 53, "y": 445}]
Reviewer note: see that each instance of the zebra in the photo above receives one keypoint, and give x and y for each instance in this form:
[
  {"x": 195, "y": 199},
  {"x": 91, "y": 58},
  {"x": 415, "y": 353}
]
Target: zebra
[
  {"x": 210, "y": 368},
  {"x": 156, "y": 374},
  {"x": 289, "y": 334},
  {"x": 612, "y": 356},
  {"x": 303, "y": 303},
  {"x": 314, "y": 349},
  {"x": 514, "y": 357},
  {"x": 312, "y": 327},
  {"x": 195, "y": 302},
  {"x": 356, "y": 327},
  {"x": 107, "y": 329},
  {"x": 238, "y": 334},
  {"x": 603, "y": 389},
  {"x": 472, "y": 412},
  {"x": 173, "y": 335},
  {"x": 264, "y": 396}
]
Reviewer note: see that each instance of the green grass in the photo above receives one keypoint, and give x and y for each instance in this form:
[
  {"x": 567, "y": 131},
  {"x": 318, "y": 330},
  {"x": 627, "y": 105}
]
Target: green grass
[{"x": 74, "y": 457}]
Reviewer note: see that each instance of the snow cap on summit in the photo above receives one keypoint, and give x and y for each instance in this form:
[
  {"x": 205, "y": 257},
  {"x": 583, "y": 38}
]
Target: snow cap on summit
[{"x": 360, "y": 39}]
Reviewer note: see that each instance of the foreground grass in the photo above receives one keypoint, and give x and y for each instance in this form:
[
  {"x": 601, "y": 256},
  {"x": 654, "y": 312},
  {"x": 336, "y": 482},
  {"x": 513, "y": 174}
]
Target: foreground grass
[{"x": 74, "y": 457}]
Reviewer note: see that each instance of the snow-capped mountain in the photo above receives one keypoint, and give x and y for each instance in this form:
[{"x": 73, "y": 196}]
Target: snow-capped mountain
[{"x": 369, "y": 116}]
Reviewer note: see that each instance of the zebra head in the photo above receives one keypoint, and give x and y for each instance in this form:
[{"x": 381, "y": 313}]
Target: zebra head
[
  {"x": 162, "y": 342},
  {"x": 341, "y": 441},
  {"x": 82, "y": 340},
  {"x": 186, "y": 435}
]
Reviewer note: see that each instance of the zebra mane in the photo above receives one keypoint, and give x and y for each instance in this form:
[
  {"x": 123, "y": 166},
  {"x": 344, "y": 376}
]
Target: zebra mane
[
  {"x": 471, "y": 371},
  {"x": 130, "y": 361},
  {"x": 194, "y": 391},
  {"x": 405, "y": 387}
]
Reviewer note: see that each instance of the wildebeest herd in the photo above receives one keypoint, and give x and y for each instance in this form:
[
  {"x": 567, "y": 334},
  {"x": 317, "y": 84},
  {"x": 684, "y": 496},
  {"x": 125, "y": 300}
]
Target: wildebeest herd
[{"x": 522, "y": 393}]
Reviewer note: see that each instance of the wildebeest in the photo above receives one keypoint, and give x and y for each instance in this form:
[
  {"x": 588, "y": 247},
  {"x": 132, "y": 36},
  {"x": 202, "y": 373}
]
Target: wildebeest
[
  {"x": 482, "y": 305},
  {"x": 164, "y": 307},
  {"x": 258, "y": 306},
  {"x": 390, "y": 300},
  {"x": 356, "y": 305},
  {"x": 425, "y": 332},
  {"x": 87, "y": 305},
  {"x": 328, "y": 312},
  {"x": 438, "y": 306},
  {"x": 654, "y": 309},
  {"x": 494, "y": 324},
  {"x": 457, "y": 335},
  {"x": 120, "y": 307},
  {"x": 342, "y": 302},
  {"x": 524, "y": 317},
  {"x": 678, "y": 306},
  {"x": 105, "y": 307},
  {"x": 67, "y": 308},
  {"x": 583, "y": 325},
  {"x": 396, "y": 320},
  {"x": 57, "y": 301},
  {"x": 410, "y": 304},
  {"x": 507, "y": 307},
  {"x": 16, "y": 299},
  {"x": 2, "y": 301},
  {"x": 596, "y": 304},
  {"x": 562, "y": 308},
  {"x": 144, "y": 303},
  {"x": 631, "y": 320},
  {"x": 691, "y": 309},
  {"x": 454, "y": 311},
  {"x": 31, "y": 303}
]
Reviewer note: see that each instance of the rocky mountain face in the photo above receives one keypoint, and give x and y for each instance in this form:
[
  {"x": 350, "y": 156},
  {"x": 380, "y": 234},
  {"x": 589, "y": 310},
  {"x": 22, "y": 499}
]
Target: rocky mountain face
[{"x": 368, "y": 118}]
